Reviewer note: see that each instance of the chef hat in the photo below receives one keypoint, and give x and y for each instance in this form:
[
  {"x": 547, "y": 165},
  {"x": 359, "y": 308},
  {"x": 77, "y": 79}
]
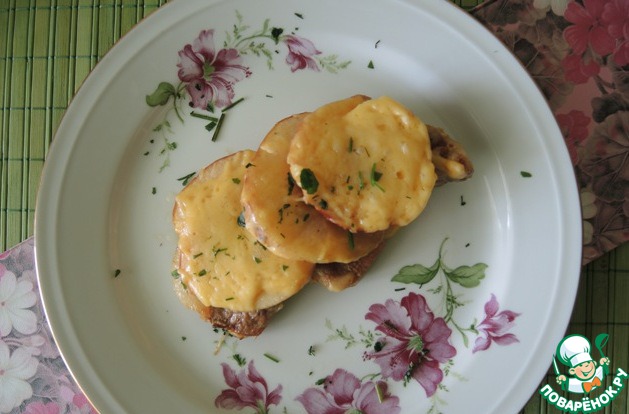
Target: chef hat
[{"x": 574, "y": 350}]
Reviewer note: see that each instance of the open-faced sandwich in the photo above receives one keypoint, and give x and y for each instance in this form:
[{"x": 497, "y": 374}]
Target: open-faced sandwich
[{"x": 315, "y": 202}]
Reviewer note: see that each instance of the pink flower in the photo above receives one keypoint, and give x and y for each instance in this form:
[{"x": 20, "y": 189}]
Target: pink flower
[
  {"x": 616, "y": 16},
  {"x": 415, "y": 344},
  {"x": 587, "y": 28},
  {"x": 247, "y": 389},
  {"x": 300, "y": 53},
  {"x": 344, "y": 393},
  {"x": 38, "y": 407},
  {"x": 495, "y": 326},
  {"x": 578, "y": 70},
  {"x": 210, "y": 75},
  {"x": 574, "y": 128}
]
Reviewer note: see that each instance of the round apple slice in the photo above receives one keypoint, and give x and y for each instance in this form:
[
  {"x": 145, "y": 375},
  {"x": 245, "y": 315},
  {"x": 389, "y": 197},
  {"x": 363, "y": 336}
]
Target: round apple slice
[
  {"x": 276, "y": 215},
  {"x": 217, "y": 259},
  {"x": 363, "y": 163}
]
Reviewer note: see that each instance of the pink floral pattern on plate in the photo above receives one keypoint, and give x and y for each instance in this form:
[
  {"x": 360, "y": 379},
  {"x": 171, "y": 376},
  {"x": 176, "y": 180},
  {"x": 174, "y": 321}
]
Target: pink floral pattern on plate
[
  {"x": 577, "y": 51},
  {"x": 410, "y": 344},
  {"x": 208, "y": 75}
]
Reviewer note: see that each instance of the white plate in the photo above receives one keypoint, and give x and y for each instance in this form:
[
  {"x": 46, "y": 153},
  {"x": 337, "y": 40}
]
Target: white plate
[{"x": 105, "y": 205}]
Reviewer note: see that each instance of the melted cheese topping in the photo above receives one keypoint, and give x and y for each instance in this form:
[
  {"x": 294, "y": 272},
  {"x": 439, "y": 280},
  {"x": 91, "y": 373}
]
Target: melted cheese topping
[
  {"x": 277, "y": 216},
  {"x": 371, "y": 159},
  {"x": 218, "y": 259}
]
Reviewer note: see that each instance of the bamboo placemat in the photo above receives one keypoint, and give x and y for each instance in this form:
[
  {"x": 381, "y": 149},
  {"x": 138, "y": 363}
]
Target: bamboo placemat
[{"x": 48, "y": 47}]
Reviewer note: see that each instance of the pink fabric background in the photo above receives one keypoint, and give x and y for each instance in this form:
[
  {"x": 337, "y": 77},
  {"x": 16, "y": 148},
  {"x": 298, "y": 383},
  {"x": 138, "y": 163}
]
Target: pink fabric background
[{"x": 578, "y": 54}]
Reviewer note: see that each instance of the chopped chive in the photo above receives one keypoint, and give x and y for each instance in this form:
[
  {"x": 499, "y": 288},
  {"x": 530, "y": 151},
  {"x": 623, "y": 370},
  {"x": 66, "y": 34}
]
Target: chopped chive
[
  {"x": 400, "y": 289},
  {"x": 175, "y": 274},
  {"x": 311, "y": 350},
  {"x": 236, "y": 180},
  {"x": 525, "y": 174},
  {"x": 271, "y": 357},
  {"x": 202, "y": 272},
  {"x": 230, "y": 106},
  {"x": 301, "y": 16},
  {"x": 203, "y": 116},
  {"x": 117, "y": 272},
  {"x": 370, "y": 64},
  {"x": 186, "y": 179},
  {"x": 320, "y": 381},
  {"x": 229, "y": 298},
  {"x": 350, "y": 146},
  {"x": 284, "y": 267},
  {"x": 361, "y": 180},
  {"x": 377, "y": 44},
  {"x": 183, "y": 338},
  {"x": 197, "y": 255},
  {"x": 350, "y": 240},
  {"x": 218, "y": 127},
  {"x": 463, "y": 202},
  {"x": 154, "y": 190},
  {"x": 257, "y": 259},
  {"x": 374, "y": 177}
]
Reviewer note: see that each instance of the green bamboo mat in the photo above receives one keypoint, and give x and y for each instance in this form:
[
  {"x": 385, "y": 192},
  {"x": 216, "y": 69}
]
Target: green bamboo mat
[{"x": 48, "y": 47}]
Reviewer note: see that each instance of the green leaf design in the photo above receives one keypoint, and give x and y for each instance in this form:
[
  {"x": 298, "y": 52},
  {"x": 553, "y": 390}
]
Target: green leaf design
[
  {"x": 416, "y": 273},
  {"x": 467, "y": 276},
  {"x": 160, "y": 96}
]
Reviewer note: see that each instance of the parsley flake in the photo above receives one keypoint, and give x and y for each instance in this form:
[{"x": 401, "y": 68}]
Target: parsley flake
[{"x": 308, "y": 181}]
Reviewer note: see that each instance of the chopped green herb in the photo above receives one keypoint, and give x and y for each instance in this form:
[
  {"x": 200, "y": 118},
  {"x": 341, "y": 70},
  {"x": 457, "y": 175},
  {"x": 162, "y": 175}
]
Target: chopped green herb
[
  {"x": 301, "y": 16},
  {"x": 230, "y": 106},
  {"x": 361, "y": 180},
  {"x": 202, "y": 272},
  {"x": 236, "y": 180},
  {"x": 117, "y": 272},
  {"x": 183, "y": 338},
  {"x": 146, "y": 153},
  {"x": 249, "y": 165},
  {"x": 284, "y": 267},
  {"x": 350, "y": 240},
  {"x": 306, "y": 217},
  {"x": 350, "y": 146},
  {"x": 291, "y": 183},
  {"x": 320, "y": 381},
  {"x": 197, "y": 255},
  {"x": 323, "y": 204},
  {"x": 271, "y": 357},
  {"x": 311, "y": 350},
  {"x": 241, "y": 361},
  {"x": 525, "y": 174},
  {"x": 229, "y": 298},
  {"x": 399, "y": 289},
  {"x": 154, "y": 190},
  {"x": 308, "y": 181},
  {"x": 175, "y": 274},
  {"x": 377, "y": 44},
  {"x": 218, "y": 127},
  {"x": 463, "y": 202},
  {"x": 205, "y": 117},
  {"x": 241, "y": 220},
  {"x": 374, "y": 177},
  {"x": 257, "y": 259},
  {"x": 186, "y": 179},
  {"x": 370, "y": 64},
  {"x": 217, "y": 250}
]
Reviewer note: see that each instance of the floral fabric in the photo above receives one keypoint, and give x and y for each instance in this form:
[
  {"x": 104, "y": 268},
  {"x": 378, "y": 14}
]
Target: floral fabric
[
  {"x": 577, "y": 51},
  {"x": 33, "y": 376}
]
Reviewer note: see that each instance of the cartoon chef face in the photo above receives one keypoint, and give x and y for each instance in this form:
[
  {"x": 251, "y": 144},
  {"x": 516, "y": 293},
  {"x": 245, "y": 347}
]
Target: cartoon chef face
[
  {"x": 574, "y": 351},
  {"x": 584, "y": 371}
]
